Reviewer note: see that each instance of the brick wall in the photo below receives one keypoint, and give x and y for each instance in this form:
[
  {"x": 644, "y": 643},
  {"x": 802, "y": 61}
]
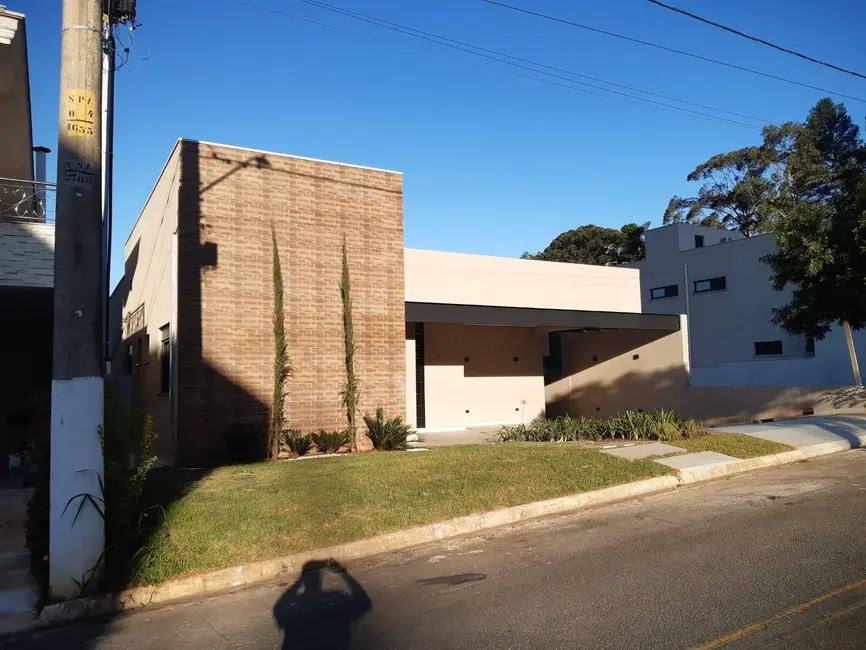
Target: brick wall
[
  {"x": 228, "y": 199},
  {"x": 26, "y": 254}
]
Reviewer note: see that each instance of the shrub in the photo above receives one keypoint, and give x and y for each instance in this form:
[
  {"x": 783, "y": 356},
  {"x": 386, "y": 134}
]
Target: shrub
[
  {"x": 661, "y": 424},
  {"x": 387, "y": 435},
  {"x": 668, "y": 432},
  {"x": 244, "y": 442},
  {"x": 329, "y": 442},
  {"x": 292, "y": 441},
  {"x": 126, "y": 448},
  {"x": 692, "y": 428}
]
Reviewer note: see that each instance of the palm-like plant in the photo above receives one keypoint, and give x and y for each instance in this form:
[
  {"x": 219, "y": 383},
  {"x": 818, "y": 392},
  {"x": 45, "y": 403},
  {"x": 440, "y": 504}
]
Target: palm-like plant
[
  {"x": 329, "y": 442},
  {"x": 387, "y": 435},
  {"x": 294, "y": 442}
]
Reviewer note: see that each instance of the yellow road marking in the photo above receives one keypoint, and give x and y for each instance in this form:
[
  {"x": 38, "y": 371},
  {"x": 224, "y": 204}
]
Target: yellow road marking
[{"x": 781, "y": 616}]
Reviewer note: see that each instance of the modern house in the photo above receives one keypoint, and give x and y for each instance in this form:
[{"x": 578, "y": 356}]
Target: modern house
[
  {"x": 445, "y": 340},
  {"x": 26, "y": 254},
  {"x": 717, "y": 278}
]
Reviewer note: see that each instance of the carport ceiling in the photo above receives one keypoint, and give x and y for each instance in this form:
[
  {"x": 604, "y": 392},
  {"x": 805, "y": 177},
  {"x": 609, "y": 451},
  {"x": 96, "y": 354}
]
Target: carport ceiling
[{"x": 428, "y": 312}]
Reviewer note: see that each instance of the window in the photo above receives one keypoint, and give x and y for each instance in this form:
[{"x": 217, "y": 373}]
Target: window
[
  {"x": 552, "y": 362},
  {"x": 670, "y": 291},
  {"x": 143, "y": 351},
  {"x": 810, "y": 347},
  {"x": 165, "y": 360},
  {"x": 699, "y": 241},
  {"x": 128, "y": 360},
  {"x": 712, "y": 284},
  {"x": 765, "y": 348}
]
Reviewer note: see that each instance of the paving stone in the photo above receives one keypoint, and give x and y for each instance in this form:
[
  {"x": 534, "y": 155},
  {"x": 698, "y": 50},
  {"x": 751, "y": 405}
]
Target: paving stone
[
  {"x": 699, "y": 459},
  {"x": 637, "y": 452}
]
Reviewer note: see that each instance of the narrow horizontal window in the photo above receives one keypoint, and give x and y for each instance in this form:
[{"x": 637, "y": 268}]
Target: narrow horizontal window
[
  {"x": 711, "y": 284},
  {"x": 765, "y": 348},
  {"x": 669, "y": 291}
]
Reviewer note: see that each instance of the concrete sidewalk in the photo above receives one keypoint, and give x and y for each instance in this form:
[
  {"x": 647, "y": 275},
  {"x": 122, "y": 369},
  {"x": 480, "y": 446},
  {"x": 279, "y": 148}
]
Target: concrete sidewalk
[{"x": 802, "y": 432}]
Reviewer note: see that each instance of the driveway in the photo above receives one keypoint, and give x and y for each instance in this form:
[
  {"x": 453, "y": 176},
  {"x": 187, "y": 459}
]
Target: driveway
[{"x": 812, "y": 430}]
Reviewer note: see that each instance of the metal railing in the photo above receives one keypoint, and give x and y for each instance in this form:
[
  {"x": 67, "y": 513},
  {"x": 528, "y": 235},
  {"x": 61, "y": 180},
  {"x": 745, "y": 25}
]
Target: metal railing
[{"x": 27, "y": 201}]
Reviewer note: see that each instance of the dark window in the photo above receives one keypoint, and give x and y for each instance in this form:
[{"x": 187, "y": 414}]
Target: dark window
[
  {"x": 143, "y": 352},
  {"x": 712, "y": 284},
  {"x": 552, "y": 363},
  {"x": 699, "y": 241},
  {"x": 763, "y": 348},
  {"x": 165, "y": 360},
  {"x": 810, "y": 347},
  {"x": 420, "y": 401},
  {"x": 128, "y": 360},
  {"x": 669, "y": 291}
]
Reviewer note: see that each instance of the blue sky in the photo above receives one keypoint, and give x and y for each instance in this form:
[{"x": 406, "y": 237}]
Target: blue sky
[{"x": 492, "y": 163}]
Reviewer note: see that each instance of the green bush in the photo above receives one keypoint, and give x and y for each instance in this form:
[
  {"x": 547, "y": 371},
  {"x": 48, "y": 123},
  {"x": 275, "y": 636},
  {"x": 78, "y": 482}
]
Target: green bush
[
  {"x": 387, "y": 435},
  {"x": 329, "y": 442},
  {"x": 126, "y": 445},
  {"x": 692, "y": 428},
  {"x": 660, "y": 424},
  {"x": 292, "y": 441}
]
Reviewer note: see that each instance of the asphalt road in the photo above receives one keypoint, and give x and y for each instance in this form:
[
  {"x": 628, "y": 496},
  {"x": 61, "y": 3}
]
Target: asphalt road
[{"x": 772, "y": 559}]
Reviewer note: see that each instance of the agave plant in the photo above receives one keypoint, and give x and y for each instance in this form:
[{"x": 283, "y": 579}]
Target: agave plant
[
  {"x": 329, "y": 442},
  {"x": 294, "y": 442},
  {"x": 387, "y": 435}
]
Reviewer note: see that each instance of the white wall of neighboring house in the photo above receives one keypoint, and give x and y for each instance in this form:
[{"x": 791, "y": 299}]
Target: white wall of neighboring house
[
  {"x": 724, "y": 325},
  {"x": 26, "y": 254}
]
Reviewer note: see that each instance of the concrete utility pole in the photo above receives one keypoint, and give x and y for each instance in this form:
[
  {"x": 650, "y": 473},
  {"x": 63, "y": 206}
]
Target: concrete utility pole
[{"x": 76, "y": 544}]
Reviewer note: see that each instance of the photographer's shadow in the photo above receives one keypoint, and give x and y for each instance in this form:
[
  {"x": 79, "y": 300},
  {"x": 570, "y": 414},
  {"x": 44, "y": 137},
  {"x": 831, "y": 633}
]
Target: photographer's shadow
[{"x": 312, "y": 617}]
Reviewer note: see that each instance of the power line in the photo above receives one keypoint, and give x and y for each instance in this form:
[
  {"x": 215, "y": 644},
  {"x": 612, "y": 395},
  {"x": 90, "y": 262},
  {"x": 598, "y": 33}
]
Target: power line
[
  {"x": 464, "y": 47},
  {"x": 571, "y": 23},
  {"x": 306, "y": 20},
  {"x": 387, "y": 24},
  {"x": 756, "y": 39}
]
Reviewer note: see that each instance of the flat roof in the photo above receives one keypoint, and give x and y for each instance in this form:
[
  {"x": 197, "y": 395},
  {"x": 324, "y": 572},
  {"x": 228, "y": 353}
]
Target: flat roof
[{"x": 428, "y": 312}]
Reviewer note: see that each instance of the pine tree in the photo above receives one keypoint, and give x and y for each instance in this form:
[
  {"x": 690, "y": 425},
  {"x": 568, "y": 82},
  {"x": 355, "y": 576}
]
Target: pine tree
[
  {"x": 282, "y": 365},
  {"x": 352, "y": 390}
]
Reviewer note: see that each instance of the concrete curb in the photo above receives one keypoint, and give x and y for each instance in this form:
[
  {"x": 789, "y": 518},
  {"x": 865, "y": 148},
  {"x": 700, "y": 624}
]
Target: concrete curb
[{"x": 249, "y": 574}]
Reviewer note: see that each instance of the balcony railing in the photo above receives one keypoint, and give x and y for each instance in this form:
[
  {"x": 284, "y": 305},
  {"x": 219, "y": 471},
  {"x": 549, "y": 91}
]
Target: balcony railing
[{"x": 27, "y": 201}]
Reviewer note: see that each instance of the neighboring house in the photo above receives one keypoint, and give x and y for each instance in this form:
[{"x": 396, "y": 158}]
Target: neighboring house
[
  {"x": 717, "y": 277},
  {"x": 445, "y": 340},
  {"x": 26, "y": 255}
]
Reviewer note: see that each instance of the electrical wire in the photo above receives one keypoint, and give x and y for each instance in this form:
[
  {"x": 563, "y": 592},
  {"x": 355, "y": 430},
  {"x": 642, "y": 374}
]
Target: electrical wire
[
  {"x": 306, "y": 20},
  {"x": 385, "y": 23},
  {"x": 756, "y": 39},
  {"x": 571, "y": 23},
  {"x": 464, "y": 47}
]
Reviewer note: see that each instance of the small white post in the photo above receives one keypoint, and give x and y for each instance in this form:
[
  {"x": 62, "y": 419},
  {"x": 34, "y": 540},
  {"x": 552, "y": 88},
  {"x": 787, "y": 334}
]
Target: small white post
[{"x": 852, "y": 352}]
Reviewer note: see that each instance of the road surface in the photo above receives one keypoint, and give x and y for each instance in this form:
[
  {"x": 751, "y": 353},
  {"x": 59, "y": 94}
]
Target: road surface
[{"x": 772, "y": 559}]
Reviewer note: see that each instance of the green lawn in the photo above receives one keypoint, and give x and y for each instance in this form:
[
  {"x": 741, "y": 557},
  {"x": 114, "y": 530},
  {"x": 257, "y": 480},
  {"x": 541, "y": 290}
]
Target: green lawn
[
  {"x": 732, "y": 444},
  {"x": 251, "y": 512}
]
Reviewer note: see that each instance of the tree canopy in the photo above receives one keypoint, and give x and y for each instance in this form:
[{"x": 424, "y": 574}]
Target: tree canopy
[
  {"x": 591, "y": 244},
  {"x": 820, "y": 223},
  {"x": 737, "y": 192}
]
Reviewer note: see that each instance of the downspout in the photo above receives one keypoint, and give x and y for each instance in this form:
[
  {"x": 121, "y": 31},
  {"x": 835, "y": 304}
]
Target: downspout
[{"x": 688, "y": 322}]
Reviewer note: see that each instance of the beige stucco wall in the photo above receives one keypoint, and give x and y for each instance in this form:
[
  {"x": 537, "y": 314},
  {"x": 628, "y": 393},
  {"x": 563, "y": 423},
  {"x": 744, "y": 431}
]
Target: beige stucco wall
[
  {"x": 615, "y": 381},
  {"x": 148, "y": 280},
  {"x": 488, "y": 388},
  {"x": 457, "y": 278},
  {"x": 16, "y": 150},
  {"x": 26, "y": 254}
]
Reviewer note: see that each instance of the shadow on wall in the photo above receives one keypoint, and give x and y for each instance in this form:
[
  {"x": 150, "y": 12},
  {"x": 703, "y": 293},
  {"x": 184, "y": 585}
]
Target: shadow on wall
[
  {"x": 217, "y": 420},
  {"x": 668, "y": 388}
]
